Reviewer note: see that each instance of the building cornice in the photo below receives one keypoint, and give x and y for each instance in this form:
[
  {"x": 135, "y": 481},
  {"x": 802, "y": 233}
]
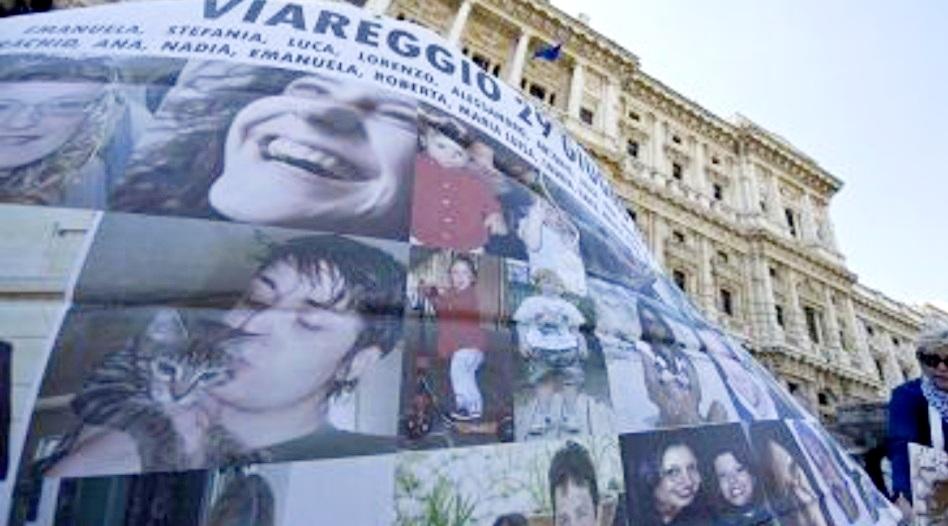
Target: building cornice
[
  {"x": 684, "y": 110},
  {"x": 784, "y": 155},
  {"x": 552, "y": 24}
]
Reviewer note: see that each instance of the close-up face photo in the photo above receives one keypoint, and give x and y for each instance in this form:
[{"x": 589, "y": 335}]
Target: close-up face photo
[
  {"x": 574, "y": 505},
  {"x": 679, "y": 479},
  {"x": 300, "y": 330},
  {"x": 37, "y": 118},
  {"x": 734, "y": 479},
  {"x": 323, "y": 152}
]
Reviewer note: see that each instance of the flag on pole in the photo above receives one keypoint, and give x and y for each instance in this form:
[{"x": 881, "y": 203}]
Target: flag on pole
[{"x": 549, "y": 52}]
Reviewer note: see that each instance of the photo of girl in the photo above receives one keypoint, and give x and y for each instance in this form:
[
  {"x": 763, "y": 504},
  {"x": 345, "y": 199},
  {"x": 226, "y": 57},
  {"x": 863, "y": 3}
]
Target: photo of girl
[
  {"x": 457, "y": 361},
  {"x": 61, "y": 123},
  {"x": 791, "y": 487},
  {"x": 737, "y": 493},
  {"x": 276, "y": 147}
]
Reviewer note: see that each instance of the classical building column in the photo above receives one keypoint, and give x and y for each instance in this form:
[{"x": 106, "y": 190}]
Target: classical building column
[
  {"x": 610, "y": 114},
  {"x": 832, "y": 323},
  {"x": 808, "y": 221},
  {"x": 659, "y": 233},
  {"x": 519, "y": 59},
  {"x": 860, "y": 342},
  {"x": 706, "y": 295},
  {"x": 657, "y": 142},
  {"x": 829, "y": 231},
  {"x": 796, "y": 325},
  {"x": 775, "y": 206},
  {"x": 766, "y": 316},
  {"x": 378, "y": 7},
  {"x": 460, "y": 20},
  {"x": 702, "y": 183},
  {"x": 576, "y": 90},
  {"x": 750, "y": 191}
]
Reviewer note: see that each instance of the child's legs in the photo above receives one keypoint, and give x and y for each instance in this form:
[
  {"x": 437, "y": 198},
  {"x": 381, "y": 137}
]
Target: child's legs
[
  {"x": 572, "y": 377},
  {"x": 464, "y": 365}
]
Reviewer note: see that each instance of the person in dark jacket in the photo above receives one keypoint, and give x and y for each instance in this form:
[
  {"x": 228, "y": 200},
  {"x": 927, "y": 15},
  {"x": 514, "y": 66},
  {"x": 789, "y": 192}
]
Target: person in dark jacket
[{"x": 910, "y": 408}]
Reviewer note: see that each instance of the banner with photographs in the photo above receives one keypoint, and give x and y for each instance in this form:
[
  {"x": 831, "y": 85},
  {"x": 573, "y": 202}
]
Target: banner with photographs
[{"x": 286, "y": 263}]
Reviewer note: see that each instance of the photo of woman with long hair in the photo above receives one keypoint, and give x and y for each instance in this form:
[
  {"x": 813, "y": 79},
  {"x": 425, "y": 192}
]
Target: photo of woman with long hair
[
  {"x": 737, "y": 495},
  {"x": 57, "y": 119},
  {"x": 666, "y": 486},
  {"x": 277, "y": 147}
]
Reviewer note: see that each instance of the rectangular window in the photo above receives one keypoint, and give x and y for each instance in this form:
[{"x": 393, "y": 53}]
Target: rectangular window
[
  {"x": 718, "y": 191},
  {"x": 632, "y": 214},
  {"x": 634, "y": 116},
  {"x": 537, "y": 92},
  {"x": 778, "y": 309},
  {"x": 586, "y": 115},
  {"x": 632, "y": 148},
  {"x": 791, "y": 221},
  {"x": 481, "y": 61},
  {"x": 812, "y": 324},
  {"x": 676, "y": 171},
  {"x": 722, "y": 255},
  {"x": 727, "y": 303},
  {"x": 678, "y": 237},
  {"x": 679, "y": 278}
]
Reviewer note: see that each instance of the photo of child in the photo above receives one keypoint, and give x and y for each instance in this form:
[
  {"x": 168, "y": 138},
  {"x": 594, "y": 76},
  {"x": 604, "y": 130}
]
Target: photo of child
[
  {"x": 457, "y": 360},
  {"x": 454, "y": 205},
  {"x": 563, "y": 388},
  {"x": 576, "y": 482}
]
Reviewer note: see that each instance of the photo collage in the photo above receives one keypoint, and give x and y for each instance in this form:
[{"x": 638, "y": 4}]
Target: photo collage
[{"x": 303, "y": 281}]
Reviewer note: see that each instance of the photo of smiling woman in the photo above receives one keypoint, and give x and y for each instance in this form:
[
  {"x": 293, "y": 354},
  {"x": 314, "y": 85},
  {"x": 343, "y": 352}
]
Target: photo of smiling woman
[
  {"x": 737, "y": 493},
  {"x": 277, "y": 147},
  {"x": 666, "y": 486},
  {"x": 57, "y": 116}
]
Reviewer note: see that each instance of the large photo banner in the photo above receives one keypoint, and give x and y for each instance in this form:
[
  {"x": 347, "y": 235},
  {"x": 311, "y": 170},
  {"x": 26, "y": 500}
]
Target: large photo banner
[{"x": 332, "y": 272}]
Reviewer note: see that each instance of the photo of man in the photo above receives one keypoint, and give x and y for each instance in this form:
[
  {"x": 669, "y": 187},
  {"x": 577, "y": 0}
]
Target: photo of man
[
  {"x": 288, "y": 357},
  {"x": 276, "y": 147}
]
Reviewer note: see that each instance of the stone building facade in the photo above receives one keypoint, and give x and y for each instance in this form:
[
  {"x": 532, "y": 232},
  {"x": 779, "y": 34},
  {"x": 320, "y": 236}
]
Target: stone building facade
[{"x": 738, "y": 216}]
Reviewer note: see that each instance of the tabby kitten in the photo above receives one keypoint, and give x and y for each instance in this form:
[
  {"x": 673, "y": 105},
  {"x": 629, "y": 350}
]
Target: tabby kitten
[{"x": 167, "y": 368}]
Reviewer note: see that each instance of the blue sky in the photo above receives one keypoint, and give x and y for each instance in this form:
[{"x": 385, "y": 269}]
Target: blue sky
[{"x": 860, "y": 86}]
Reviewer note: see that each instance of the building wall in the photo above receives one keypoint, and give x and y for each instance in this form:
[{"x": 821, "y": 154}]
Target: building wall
[{"x": 736, "y": 212}]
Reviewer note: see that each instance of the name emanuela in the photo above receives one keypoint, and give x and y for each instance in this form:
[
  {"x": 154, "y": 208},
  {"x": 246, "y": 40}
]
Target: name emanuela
[{"x": 83, "y": 29}]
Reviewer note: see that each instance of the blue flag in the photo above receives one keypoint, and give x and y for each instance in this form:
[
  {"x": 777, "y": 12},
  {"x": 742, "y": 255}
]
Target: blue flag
[{"x": 549, "y": 52}]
